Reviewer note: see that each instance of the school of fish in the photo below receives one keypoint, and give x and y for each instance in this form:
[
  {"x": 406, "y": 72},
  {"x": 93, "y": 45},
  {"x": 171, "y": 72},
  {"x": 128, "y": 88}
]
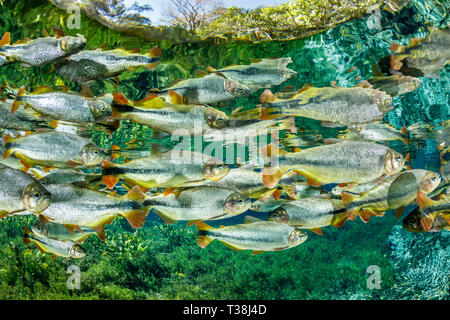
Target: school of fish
[{"x": 50, "y": 167}]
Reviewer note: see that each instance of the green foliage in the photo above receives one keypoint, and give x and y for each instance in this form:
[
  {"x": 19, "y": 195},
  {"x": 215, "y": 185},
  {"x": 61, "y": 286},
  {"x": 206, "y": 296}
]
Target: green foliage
[
  {"x": 292, "y": 20},
  {"x": 164, "y": 262}
]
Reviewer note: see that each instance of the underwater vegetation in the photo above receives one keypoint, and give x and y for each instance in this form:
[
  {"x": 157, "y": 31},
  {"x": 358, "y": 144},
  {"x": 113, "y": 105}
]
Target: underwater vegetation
[{"x": 94, "y": 100}]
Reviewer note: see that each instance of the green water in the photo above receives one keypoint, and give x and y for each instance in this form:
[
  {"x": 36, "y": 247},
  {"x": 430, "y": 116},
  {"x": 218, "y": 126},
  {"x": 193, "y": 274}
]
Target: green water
[{"x": 164, "y": 262}]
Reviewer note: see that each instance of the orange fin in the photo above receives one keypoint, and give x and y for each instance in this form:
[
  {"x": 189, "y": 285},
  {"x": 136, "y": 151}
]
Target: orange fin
[
  {"x": 101, "y": 235},
  {"x": 423, "y": 201},
  {"x": 176, "y": 98},
  {"x": 192, "y": 223},
  {"x": 271, "y": 176},
  {"x": 277, "y": 194},
  {"x": 8, "y": 138},
  {"x": 399, "y": 212},
  {"x": 155, "y": 52},
  {"x": 317, "y": 231},
  {"x": 110, "y": 181},
  {"x": 5, "y": 40},
  {"x": 136, "y": 194},
  {"x": 267, "y": 96},
  {"x": 136, "y": 218},
  {"x": 257, "y": 252},
  {"x": 120, "y": 98},
  {"x": 203, "y": 241},
  {"x": 165, "y": 217},
  {"x": 16, "y": 104}
]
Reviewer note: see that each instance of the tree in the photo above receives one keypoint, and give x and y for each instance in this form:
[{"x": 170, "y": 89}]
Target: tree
[{"x": 191, "y": 14}]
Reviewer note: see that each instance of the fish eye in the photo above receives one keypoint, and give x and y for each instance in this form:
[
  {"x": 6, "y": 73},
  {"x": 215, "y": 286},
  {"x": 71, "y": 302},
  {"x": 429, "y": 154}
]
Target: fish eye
[
  {"x": 96, "y": 152},
  {"x": 37, "y": 194}
]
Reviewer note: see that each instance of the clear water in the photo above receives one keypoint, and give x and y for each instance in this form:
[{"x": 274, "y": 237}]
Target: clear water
[{"x": 163, "y": 261}]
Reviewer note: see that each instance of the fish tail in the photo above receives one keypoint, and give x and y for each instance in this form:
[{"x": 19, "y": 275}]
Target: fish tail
[
  {"x": 5, "y": 40},
  {"x": 203, "y": 239}
]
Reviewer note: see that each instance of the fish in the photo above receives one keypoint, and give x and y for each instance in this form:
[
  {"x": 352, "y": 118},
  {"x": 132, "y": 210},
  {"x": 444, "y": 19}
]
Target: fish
[
  {"x": 54, "y": 150},
  {"x": 256, "y": 235},
  {"x": 375, "y": 131},
  {"x": 249, "y": 131},
  {"x": 431, "y": 209},
  {"x": 423, "y": 57},
  {"x": 65, "y": 105},
  {"x": 61, "y": 233},
  {"x": 65, "y": 176},
  {"x": 393, "y": 193},
  {"x": 199, "y": 203},
  {"x": 295, "y": 141},
  {"x": 395, "y": 85},
  {"x": 413, "y": 222},
  {"x": 163, "y": 116},
  {"x": 76, "y": 207},
  {"x": 169, "y": 169},
  {"x": 312, "y": 213},
  {"x": 249, "y": 183},
  {"x": 65, "y": 249},
  {"x": 211, "y": 89},
  {"x": 340, "y": 163},
  {"x": 23, "y": 119},
  {"x": 91, "y": 65},
  {"x": 20, "y": 192},
  {"x": 260, "y": 74},
  {"x": 334, "y": 106},
  {"x": 41, "y": 51}
]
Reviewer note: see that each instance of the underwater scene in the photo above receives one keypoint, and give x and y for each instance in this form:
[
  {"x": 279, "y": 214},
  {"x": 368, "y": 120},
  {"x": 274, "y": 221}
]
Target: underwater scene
[{"x": 285, "y": 150}]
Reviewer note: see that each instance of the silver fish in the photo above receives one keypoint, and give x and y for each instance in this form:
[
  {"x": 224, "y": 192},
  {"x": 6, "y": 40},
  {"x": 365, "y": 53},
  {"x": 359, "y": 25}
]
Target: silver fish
[
  {"x": 255, "y": 234},
  {"x": 333, "y": 106},
  {"x": 54, "y": 149},
  {"x": 210, "y": 89},
  {"x": 76, "y": 207},
  {"x": 41, "y": 51},
  {"x": 199, "y": 203},
  {"x": 90, "y": 65},
  {"x": 57, "y": 248},
  {"x": 20, "y": 192},
  {"x": 60, "y": 232},
  {"x": 311, "y": 213},
  {"x": 264, "y": 73}
]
